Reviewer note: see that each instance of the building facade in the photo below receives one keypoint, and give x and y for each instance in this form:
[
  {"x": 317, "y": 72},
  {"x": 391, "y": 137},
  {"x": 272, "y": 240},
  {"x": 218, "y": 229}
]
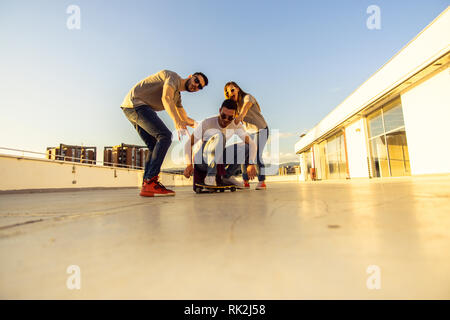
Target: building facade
[
  {"x": 395, "y": 123},
  {"x": 72, "y": 153},
  {"x": 125, "y": 155}
]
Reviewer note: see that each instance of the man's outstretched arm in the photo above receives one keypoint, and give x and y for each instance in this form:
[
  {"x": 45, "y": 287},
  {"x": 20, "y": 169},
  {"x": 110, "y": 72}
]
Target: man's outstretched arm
[
  {"x": 183, "y": 115},
  {"x": 189, "y": 170},
  {"x": 170, "y": 107}
]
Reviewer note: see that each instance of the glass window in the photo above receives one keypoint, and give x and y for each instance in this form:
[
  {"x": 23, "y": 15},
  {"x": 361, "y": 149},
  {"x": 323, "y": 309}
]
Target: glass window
[
  {"x": 389, "y": 149},
  {"x": 335, "y": 157},
  {"x": 307, "y": 156},
  {"x": 342, "y": 159},
  {"x": 397, "y": 148},
  {"x": 393, "y": 118},
  {"x": 323, "y": 172},
  {"x": 379, "y": 157},
  {"x": 376, "y": 124}
]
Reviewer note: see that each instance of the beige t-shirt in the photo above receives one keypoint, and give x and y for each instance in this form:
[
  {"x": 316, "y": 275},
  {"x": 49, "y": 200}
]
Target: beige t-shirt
[
  {"x": 149, "y": 91},
  {"x": 254, "y": 120}
]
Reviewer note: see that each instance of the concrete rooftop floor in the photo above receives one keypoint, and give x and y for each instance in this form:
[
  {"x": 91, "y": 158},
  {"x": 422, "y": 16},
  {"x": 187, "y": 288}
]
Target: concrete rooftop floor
[{"x": 294, "y": 241}]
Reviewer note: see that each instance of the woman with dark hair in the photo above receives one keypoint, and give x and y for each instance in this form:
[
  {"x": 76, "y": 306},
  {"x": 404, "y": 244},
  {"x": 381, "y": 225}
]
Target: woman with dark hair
[{"x": 249, "y": 113}]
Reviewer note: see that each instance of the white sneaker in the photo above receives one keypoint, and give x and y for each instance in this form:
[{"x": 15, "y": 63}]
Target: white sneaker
[
  {"x": 233, "y": 181},
  {"x": 210, "y": 181}
]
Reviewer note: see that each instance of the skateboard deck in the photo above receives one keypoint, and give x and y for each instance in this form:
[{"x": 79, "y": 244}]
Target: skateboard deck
[
  {"x": 203, "y": 188},
  {"x": 199, "y": 181}
]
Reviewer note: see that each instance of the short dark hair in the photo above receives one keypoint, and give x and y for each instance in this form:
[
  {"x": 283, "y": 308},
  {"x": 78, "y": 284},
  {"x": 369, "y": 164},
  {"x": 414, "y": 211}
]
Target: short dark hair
[
  {"x": 229, "y": 104},
  {"x": 204, "y": 77}
]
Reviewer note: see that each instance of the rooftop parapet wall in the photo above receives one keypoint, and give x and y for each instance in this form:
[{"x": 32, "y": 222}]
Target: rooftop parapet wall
[
  {"x": 23, "y": 173},
  {"x": 19, "y": 173},
  {"x": 429, "y": 45}
]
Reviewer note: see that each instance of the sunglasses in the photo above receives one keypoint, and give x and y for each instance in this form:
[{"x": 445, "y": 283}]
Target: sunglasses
[
  {"x": 231, "y": 91},
  {"x": 225, "y": 117},
  {"x": 199, "y": 86}
]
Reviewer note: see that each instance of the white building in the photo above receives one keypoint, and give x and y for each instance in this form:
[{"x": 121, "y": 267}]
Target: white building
[{"x": 396, "y": 123}]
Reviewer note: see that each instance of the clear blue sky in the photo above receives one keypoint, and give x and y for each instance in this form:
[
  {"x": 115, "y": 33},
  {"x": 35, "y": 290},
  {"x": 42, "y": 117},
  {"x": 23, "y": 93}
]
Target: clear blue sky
[{"x": 300, "y": 59}]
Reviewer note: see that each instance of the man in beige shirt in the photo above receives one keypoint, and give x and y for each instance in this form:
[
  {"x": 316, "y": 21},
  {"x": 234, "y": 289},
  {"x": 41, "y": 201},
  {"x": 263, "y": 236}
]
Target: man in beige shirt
[{"x": 158, "y": 92}]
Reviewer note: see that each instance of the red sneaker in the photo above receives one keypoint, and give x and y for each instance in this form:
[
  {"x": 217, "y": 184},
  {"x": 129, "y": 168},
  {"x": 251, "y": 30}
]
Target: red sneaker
[
  {"x": 153, "y": 188},
  {"x": 261, "y": 186},
  {"x": 246, "y": 184}
]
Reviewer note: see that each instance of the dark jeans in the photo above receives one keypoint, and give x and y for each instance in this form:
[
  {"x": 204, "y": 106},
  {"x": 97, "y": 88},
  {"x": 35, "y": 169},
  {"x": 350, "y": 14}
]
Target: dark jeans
[
  {"x": 155, "y": 134},
  {"x": 260, "y": 139},
  {"x": 213, "y": 152}
]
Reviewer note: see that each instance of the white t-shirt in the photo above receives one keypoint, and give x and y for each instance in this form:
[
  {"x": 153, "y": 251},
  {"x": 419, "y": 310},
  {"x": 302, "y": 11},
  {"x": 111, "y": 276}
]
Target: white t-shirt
[{"x": 210, "y": 126}]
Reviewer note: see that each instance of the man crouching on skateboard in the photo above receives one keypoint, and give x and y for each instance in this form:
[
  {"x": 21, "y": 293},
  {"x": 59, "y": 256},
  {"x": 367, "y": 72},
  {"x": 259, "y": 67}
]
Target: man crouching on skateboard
[
  {"x": 158, "y": 92},
  {"x": 214, "y": 132}
]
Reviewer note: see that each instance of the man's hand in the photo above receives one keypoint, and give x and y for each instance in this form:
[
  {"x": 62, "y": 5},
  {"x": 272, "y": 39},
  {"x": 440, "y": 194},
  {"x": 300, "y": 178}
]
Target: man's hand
[
  {"x": 191, "y": 122},
  {"x": 180, "y": 126},
  {"x": 237, "y": 120},
  {"x": 188, "y": 171},
  {"x": 251, "y": 171}
]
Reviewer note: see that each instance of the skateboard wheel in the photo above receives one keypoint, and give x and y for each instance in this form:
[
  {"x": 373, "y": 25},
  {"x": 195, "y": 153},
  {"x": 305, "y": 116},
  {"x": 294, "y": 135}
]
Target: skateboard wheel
[
  {"x": 233, "y": 189},
  {"x": 222, "y": 190},
  {"x": 198, "y": 190}
]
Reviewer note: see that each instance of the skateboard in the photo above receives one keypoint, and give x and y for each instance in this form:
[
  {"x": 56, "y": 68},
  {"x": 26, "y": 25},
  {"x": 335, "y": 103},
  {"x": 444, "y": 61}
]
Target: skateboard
[
  {"x": 199, "y": 182},
  {"x": 203, "y": 188}
]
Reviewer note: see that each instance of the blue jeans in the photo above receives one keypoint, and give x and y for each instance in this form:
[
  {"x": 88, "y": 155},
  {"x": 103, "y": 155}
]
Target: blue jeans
[
  {"x": 213, "y": 153},
  {"x": 155, "y": 134},
  {"x": 260, "y": 139}
]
